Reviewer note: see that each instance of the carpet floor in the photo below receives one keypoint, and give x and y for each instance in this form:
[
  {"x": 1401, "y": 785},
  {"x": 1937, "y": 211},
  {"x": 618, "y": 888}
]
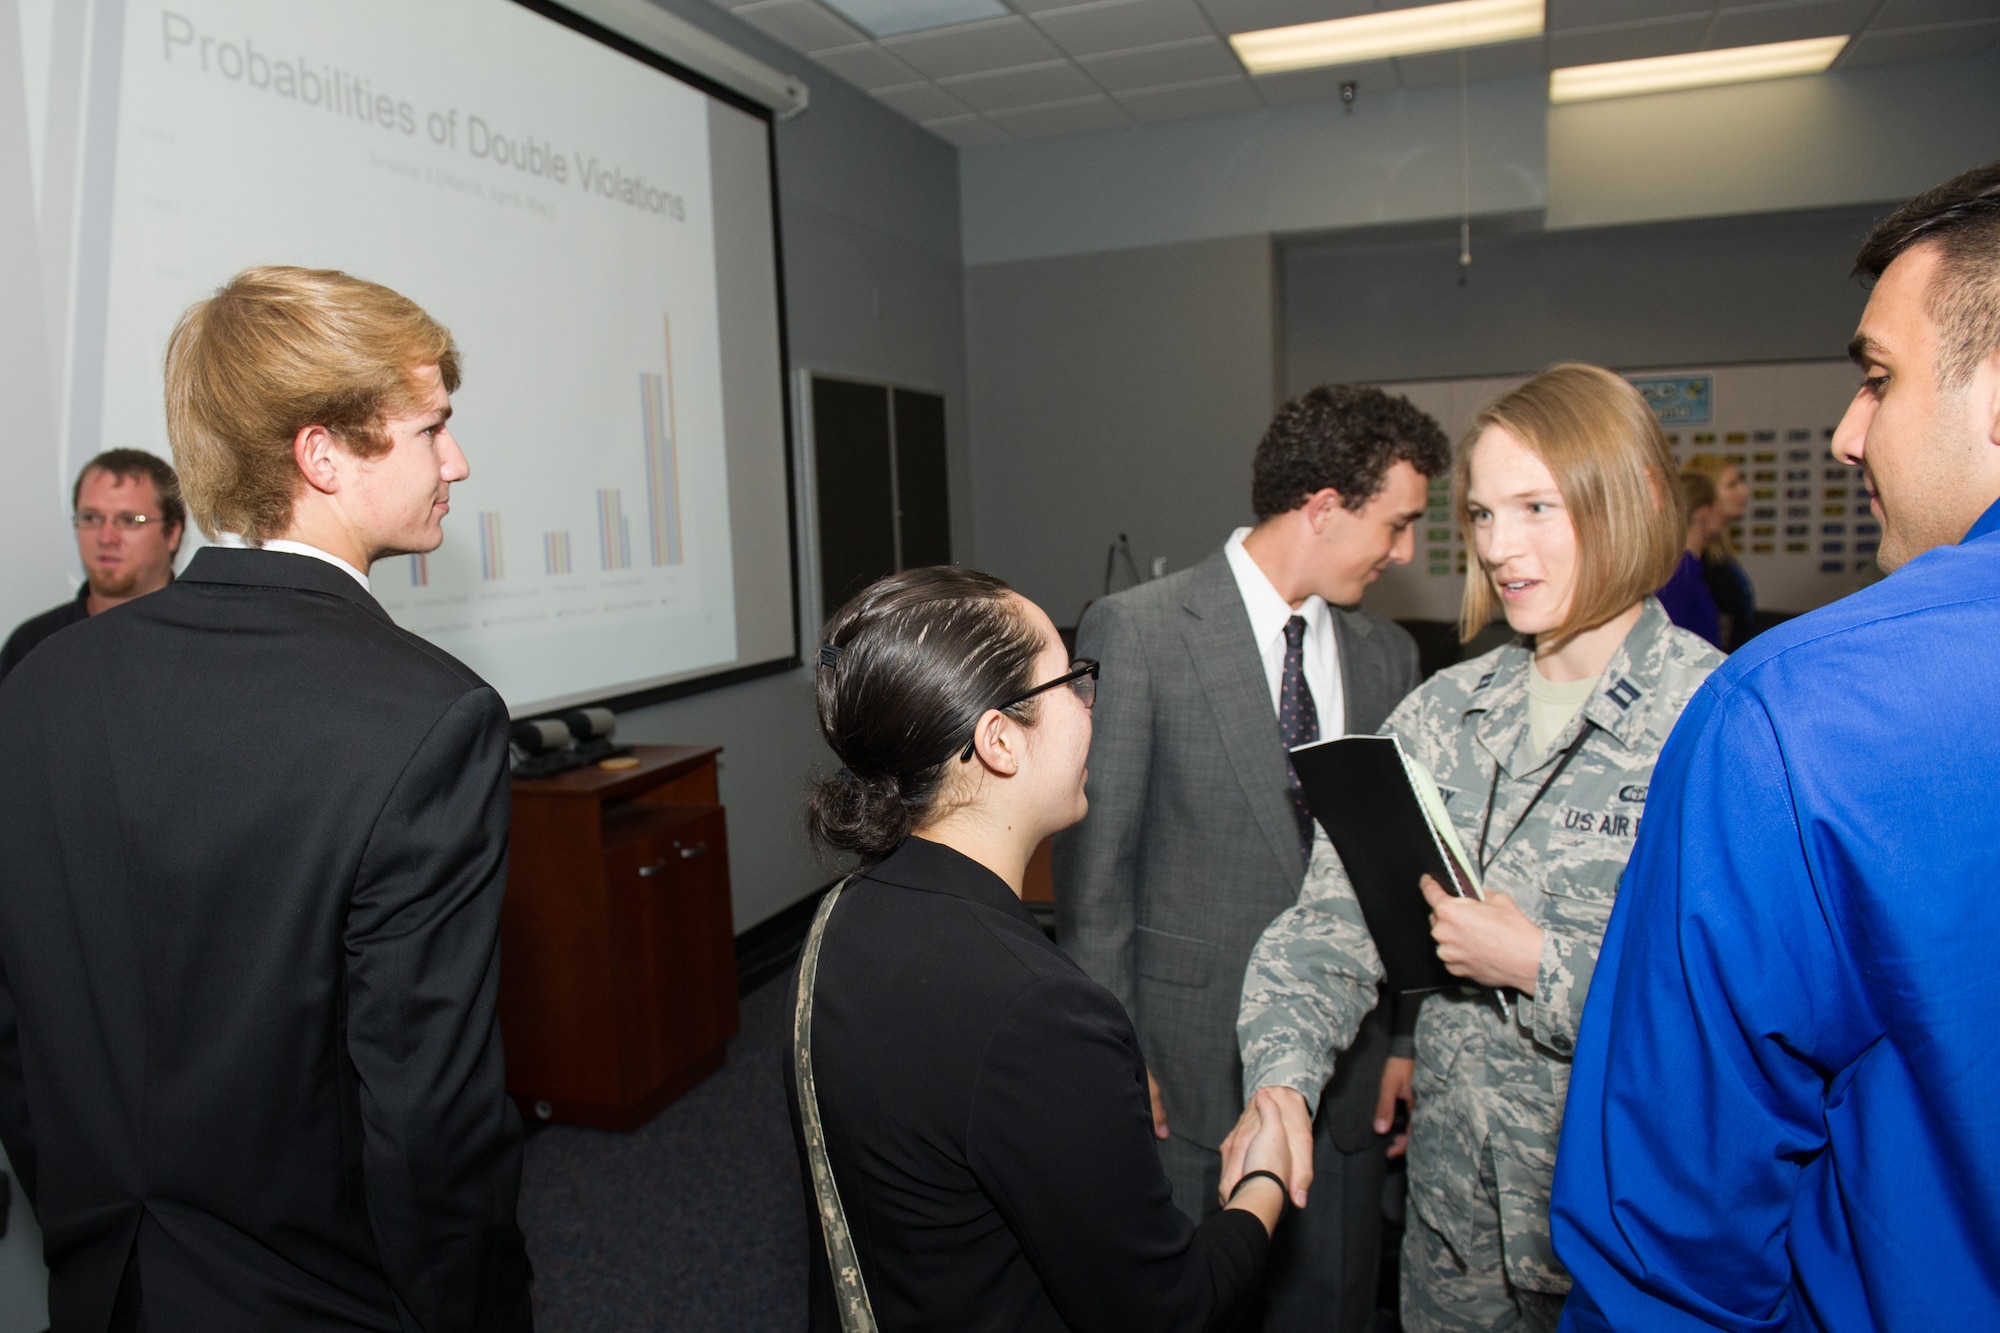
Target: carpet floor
[{"x": 695, "y": 1222}]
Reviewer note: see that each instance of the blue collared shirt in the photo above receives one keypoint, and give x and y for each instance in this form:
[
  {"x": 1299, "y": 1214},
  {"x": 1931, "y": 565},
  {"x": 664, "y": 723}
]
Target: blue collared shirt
[{"x": 1784, "y": 1111}]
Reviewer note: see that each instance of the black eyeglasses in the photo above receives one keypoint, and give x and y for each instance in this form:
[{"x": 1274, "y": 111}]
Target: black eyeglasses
[{"x": 1081, "y": 678}]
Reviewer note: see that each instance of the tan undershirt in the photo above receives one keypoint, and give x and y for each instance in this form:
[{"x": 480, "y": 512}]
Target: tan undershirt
[{"x": 1552, "y": 704}]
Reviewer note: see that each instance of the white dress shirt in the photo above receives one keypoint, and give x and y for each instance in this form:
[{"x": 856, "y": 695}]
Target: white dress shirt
[
  {"x": 1268, "y": 614},
  {"x": 235, "y": 539}
]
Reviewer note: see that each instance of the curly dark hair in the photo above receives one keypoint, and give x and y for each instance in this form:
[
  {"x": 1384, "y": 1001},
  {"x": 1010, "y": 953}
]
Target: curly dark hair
[
  {"x": 1344, "y": 436},
  {"x": 1962, "y": 217}
]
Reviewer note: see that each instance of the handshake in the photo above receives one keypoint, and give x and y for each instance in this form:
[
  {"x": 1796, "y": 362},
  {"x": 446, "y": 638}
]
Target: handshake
[{"x": 1275, "y": 1132}]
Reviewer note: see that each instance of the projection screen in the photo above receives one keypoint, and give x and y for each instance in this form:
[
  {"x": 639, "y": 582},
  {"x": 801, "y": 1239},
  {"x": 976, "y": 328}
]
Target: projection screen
[{"x": 596, "y": 226}]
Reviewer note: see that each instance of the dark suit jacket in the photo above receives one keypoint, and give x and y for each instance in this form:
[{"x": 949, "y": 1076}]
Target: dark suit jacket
[
  {"x": 29, "y": 634},
  {"x": 252, "y": 849},
  {"x": 1190, "y": 847},
  {"x": 986, "y": 1118}
]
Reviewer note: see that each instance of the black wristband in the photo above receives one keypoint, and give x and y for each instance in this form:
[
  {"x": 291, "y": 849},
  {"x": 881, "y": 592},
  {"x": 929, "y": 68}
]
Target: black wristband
[{"x": 1284, "y": 1194}]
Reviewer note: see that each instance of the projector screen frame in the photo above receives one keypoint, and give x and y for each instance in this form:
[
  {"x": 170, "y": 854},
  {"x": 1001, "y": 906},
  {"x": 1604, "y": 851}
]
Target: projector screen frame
[{"x": 645, "y": 55}]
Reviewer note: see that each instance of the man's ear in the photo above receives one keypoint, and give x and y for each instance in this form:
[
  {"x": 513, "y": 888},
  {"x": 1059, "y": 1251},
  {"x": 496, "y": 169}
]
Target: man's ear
[
  {"x": 174, "y": 535},
  {"x": 1320, "y": 506},
  {"x": 1986, "y": 380},
  {"x": 313, "y": 449}
]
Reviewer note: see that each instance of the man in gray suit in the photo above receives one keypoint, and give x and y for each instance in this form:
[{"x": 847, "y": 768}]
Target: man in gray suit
[{"x": 1197, "y": 835}]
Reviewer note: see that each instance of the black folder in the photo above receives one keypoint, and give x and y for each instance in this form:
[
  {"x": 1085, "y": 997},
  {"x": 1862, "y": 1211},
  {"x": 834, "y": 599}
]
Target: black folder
[{"x": 1360, "y": 792}]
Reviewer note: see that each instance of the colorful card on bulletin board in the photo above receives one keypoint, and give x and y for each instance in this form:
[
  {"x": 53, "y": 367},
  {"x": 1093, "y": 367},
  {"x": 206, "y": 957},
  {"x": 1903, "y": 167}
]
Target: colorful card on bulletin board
[{"x": 1679, "y": 400}]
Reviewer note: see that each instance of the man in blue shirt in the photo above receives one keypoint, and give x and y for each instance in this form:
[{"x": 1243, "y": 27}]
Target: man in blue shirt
[{"x": 1784, "y": 1111}]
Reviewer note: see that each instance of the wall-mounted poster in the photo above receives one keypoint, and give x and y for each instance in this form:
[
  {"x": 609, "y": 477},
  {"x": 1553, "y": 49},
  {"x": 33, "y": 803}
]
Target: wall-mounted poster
[{"x": 1678, "y": 400}]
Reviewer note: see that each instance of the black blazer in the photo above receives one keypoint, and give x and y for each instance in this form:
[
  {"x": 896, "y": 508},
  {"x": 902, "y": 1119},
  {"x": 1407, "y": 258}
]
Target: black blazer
[
  {"x": 253, "y": 842},
  {"x": 986, "y": 1117}
]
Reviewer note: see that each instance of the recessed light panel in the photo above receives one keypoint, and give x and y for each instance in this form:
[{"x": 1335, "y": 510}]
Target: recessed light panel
[
  {"x": 887, "y": 18},
  {"x": 1395, "y": 32},
  {"x": 1696, "y": 69}
]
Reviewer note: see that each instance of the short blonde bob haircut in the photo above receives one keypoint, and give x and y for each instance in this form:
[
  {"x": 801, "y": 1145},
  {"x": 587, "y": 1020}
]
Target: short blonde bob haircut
[
  {"x": 277, "y": 350},
  {"x": 1611, "y": 463}
]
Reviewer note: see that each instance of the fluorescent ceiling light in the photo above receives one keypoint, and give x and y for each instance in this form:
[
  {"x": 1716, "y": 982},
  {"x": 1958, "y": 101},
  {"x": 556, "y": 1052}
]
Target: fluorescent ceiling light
[
  {"x": 887, "y": 18},
  {"x": 1658, "y": 74},
  {"x": 1394, "y": 32}
]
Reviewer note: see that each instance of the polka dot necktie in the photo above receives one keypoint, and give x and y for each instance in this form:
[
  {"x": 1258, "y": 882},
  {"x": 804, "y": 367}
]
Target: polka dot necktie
[{"x": 1298, "y": 722}]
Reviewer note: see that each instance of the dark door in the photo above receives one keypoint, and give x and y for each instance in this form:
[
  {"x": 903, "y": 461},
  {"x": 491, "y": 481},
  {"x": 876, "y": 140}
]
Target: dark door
[
  {"x": 884, "y": 494},
  {"x": 923, "y": 498},
  {"x": 855, "y": 477}
]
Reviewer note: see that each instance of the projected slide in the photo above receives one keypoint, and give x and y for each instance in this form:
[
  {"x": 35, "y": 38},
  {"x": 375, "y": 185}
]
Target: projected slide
[{"x": 546, "y": 197}]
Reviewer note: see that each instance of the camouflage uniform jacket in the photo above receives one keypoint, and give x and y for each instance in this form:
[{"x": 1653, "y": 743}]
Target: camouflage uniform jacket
[{"x": 1484, "y": 1083}]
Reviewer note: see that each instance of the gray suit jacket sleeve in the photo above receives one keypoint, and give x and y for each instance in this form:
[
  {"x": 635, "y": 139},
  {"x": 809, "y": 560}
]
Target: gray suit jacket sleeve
[{"x": 1098, "y": 862}]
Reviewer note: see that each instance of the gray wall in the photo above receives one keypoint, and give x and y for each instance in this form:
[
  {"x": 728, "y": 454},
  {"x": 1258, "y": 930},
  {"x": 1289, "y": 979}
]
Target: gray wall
[
  {"x": 1116, "y": 393},
  {"x": 1881, "y": 132},
  {"x": 1387, "y": 305},
  {"x": 868, "y": 206},
  {"x": 1281, "y": 169}
]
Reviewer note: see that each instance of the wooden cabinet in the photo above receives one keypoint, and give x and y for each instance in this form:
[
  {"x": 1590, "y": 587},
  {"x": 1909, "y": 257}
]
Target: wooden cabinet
[{"x": 618, "y": 958}]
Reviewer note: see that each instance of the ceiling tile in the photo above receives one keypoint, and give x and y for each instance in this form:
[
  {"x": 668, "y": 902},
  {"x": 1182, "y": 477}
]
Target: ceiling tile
[
  {"x": 1879, "y": 48},
  {"x": 1787, "y": 23},
  {"x": 1598, "y": 46},
  {"x": 1208, "y": 98},
  {"x": 1155, "y": 67},
  {"x": 922, "y": 101},
  {"x": 1505, "y": 60},
  {"x": 974, "y": 48},
  {"x": 868, "y": 66},
  {"x": 889, "y": 18},
  {"x": 1923, "y": 13},
  {"x": 1118, "y": 25},
  {"x": 966, "y": 131},
  {"x": 1059, "y": 81},
  {"x": 801, "y": 24},
  {"x": 1566, "y": 14},
  {"x": 1251, "y": 15},
  {"x": 1089, "y": 113},
  {"x": 1315, "y": 85}
]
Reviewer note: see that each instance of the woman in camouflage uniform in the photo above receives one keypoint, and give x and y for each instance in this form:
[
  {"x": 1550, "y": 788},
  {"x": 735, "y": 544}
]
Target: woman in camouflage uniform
[{"x": 1542, "y": 749}]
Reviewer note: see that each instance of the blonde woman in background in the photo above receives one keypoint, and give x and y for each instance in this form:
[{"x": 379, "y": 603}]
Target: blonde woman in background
[
  {"x": 1542, "y": 749},
  {"x": 1735, "y": 598}
]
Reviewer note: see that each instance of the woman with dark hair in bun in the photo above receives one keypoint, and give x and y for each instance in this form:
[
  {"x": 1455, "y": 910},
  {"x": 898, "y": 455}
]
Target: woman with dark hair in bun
[{"x": 970, "y": 1108}]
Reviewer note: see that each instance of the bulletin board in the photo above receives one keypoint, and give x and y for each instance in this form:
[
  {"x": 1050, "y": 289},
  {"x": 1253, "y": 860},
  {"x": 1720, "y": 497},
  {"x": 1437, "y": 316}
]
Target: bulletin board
[{"x": 1808, "y": 538}]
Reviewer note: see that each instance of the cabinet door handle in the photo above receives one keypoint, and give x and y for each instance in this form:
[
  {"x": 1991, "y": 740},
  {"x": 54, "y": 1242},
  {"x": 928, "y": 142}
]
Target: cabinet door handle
[
  {"x": 690, "y": 853},
  {"x": 657, "y": 868}
]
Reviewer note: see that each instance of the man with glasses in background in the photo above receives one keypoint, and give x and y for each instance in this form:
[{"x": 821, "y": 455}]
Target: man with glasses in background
[{"x": 129, "y": 518}]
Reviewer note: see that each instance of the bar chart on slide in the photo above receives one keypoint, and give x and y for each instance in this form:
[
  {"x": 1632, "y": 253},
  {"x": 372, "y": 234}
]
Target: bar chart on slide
[
  {"x": 663, "y": 492},
  {"x": 656, "y": 439},
  {"x": 607, "y": 517}
]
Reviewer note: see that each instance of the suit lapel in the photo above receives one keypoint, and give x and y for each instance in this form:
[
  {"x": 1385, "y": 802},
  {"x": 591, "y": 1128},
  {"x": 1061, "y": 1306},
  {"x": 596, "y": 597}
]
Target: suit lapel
[
  {"x": 1216, "y": 629},
  {"x": 1357, "y": 670}
]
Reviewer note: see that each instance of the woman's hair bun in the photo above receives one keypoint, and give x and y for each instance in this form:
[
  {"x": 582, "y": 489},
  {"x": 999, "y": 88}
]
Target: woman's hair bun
[{"x": 850, "y": 813}]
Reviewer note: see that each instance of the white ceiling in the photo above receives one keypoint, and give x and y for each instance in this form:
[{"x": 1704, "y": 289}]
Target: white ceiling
[{"x": 1057, "y": 67}]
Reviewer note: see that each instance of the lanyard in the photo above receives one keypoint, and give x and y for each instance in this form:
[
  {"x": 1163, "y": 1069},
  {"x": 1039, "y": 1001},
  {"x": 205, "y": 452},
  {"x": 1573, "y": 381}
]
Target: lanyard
[{"x": 1494, "y": 788}]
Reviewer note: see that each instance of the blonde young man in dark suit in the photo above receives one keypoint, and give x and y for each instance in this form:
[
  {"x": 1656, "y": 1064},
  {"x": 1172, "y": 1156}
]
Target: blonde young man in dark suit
[
  {"x": 1197, "y": 835},
  {"x": 253, "y": 841}
]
